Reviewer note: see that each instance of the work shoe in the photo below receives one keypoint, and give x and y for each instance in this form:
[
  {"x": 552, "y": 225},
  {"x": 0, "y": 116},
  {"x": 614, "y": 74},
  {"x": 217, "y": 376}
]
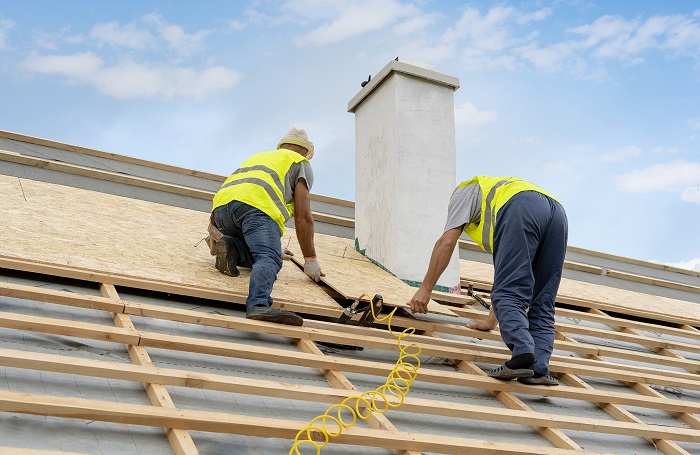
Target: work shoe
[
  {"x": 262, "y": 313},
  {"x": 506, "y": 374},
  {"x": 546, "y": 379},
  {"x": 227, "y": 256}
]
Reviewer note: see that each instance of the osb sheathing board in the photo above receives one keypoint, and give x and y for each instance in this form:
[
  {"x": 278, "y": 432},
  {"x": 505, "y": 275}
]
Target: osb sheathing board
[
  {"x": 105, "y": 233},
  {"x": 352, "y": 275},
  {"x": 620, "y": 298}
]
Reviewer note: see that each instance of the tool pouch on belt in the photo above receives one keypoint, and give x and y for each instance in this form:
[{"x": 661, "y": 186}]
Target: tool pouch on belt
[{"x": 213, "y": 237}]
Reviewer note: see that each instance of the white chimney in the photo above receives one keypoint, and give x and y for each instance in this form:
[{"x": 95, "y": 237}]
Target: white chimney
[{"x": 405, "y": 168}]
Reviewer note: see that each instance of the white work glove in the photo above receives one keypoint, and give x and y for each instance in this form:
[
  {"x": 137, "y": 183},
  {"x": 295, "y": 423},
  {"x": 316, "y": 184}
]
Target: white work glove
[
  {"x": 313, "y": 269},
  {"x": 286, "y": 254}
]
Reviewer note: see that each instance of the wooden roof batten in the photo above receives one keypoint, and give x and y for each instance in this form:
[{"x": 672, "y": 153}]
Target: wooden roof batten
[
  {"x": 144, "y": 340},
  {"x": 641, "y": 357}
]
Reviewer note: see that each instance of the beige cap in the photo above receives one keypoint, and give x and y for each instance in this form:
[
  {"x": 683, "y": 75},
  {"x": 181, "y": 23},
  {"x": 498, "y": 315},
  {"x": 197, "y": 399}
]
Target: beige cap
[{"x": 300, "y": 138}]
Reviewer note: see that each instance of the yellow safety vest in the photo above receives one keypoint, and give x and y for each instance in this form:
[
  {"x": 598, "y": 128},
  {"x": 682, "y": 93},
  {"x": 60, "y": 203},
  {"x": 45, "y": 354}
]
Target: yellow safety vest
[
  {"x": 259, "y": 182},
  {"x": 495, "y": 192}
]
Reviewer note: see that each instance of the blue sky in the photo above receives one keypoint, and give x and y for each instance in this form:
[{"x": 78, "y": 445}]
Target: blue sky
[{"x": 595, "y": 101}]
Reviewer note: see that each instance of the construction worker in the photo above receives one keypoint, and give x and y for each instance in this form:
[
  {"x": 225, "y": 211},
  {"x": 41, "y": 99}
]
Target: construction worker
[
  {"x": 250, "y": 210},
  {"x": 526, "y": 230}
]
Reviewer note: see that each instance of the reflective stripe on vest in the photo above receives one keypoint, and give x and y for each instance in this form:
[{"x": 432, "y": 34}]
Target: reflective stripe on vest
[
  {"x": 268, "y": 189},
  {"x": 495, "y": 193},
  {"x": 260, "y": 183},
  {"x": 489, "y": 216}
]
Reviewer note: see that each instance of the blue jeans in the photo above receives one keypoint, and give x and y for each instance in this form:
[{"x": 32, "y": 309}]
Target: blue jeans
[
  {"x": 257, "y": 238},
  {"x": 529, "y": 248}
]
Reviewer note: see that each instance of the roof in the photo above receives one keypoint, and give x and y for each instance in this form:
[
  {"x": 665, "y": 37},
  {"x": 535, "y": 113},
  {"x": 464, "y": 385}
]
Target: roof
[{"x": 117, "y": 335}]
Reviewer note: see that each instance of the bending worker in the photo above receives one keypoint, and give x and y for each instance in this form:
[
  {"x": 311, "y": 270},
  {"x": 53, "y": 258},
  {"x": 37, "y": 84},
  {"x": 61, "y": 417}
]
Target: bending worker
[
  {"x": 525, "y": 229},
  {"x": 250, "y": 210}
]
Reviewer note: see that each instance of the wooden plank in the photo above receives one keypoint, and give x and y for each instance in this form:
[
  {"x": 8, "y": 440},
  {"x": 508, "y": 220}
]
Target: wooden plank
[
  {"x": 68, "y": 328},
  {"x": 366, "y": 367},
  {"x": 100, "y": 174},
  {"x": 621, "y": 414},
  {"x": 453, "y": 298},
  {"x": 352, "y": 275},
  {"x": 642, "y": 340},
  {"x": 132, "y": 414},
  {"x": 652, "y": 265},
  {"x": 604, "y": 297},
  {"x": 653, "y": 281},
  {"x": 634, "y": 337},
  {"x": 581, "y": 267},
  {"x": 578, "y": 348},
  {"x": 126, "y": 240},
  {"x": 101, "y": 154},
  {"x": 521, "y": 415},
  {"x": 141, "y": 182},
  {"x": 21, "y": 291},
  {"x": 374, "y": 368},
  {"x": 142, "y": 162},
  {"x": 470, "y": 245},
  {"x": 339, "y": 381},
  {"x": 358, "y": 336},
  {"x": 616, "y": 322},
  {"x": 554, "y": 435},
  {"x": 180, "y": 440},
  {"x": 22, "y": 451},
  {"x": 456, "y": 350}
]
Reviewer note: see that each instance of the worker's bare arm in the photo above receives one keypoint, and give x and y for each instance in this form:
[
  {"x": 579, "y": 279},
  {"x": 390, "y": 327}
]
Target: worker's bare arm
[
  {"x": 303, "y": 219},
  {"x": 304, "y": 225},
  {"x": 440, "y": 258}
]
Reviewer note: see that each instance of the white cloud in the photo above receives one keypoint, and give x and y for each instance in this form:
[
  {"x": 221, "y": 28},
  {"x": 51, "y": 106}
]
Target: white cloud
[
  {"x": 148, "y": 32},
  {"x": 175, "y": 36},
  {"x": 421, "y": 51},
  {"x": 77, "y": 67},
  {"x": 694, "y": 123},
  {"x": 130, "y": 35},
  {"x": 130, "y": 80},
  {"x": 348, "y": 19},
  {"x": 54, "y": 40},
  {"x": 469, "y": 116},
  {"x": 538, "y": 15},
  {"x": 666, "y": 150},
  {"x": 5, "y": 25},
  {"x": 415, "y": 24},
  {"x": 507, "y": 38},
  {"x": 490, "y": 32},
  {"x": 617, "y": 38},
  {"x": 691, "y": 194},
  {"x": 677, "y": 176},
  {"x": 621, "y": 155},
  {"x": 236, "y": 25}
]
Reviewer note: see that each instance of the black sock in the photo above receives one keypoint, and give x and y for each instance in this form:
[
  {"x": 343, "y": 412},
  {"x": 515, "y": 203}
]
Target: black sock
[{"x": 521, "y": 361}]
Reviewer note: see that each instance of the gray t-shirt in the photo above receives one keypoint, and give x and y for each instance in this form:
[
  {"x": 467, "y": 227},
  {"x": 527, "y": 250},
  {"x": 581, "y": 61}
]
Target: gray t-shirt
[
  {"x": 465, "y": 206},
  {"x": 301, "y": 170}
]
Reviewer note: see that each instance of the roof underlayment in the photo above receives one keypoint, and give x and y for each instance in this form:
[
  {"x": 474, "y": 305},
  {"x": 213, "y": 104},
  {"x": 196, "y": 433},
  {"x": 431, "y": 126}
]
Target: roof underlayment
[{"x": 118, "y": 336}]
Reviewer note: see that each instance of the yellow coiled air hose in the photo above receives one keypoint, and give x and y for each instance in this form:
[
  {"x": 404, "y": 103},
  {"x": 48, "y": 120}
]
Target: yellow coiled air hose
[{"x": 397, "y": 384}]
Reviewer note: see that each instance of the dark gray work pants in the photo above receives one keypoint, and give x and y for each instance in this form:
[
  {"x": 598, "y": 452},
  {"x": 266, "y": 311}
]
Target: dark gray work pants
[{"x": 529, "y": 247}]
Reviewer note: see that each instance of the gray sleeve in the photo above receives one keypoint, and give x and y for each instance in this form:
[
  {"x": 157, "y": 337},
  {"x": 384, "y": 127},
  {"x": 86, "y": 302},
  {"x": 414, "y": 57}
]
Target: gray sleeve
[
  {"x": 465, "y": 206},
  {"x": 301, "y": 170}
]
